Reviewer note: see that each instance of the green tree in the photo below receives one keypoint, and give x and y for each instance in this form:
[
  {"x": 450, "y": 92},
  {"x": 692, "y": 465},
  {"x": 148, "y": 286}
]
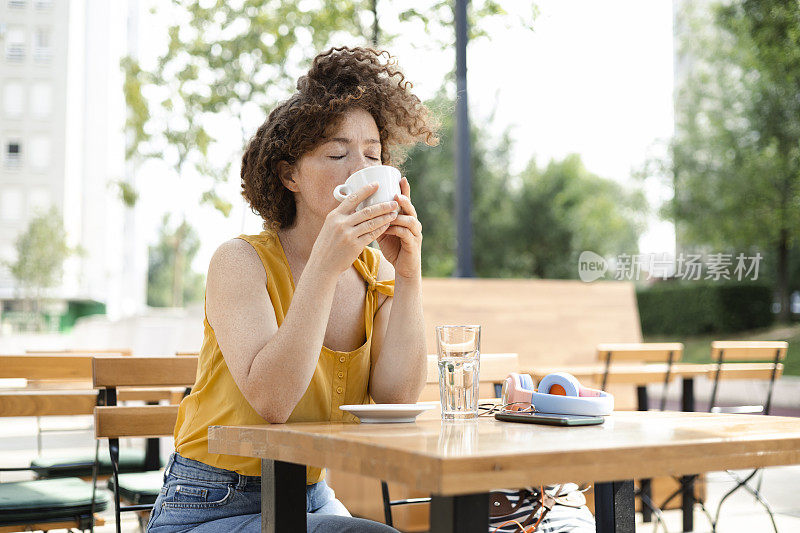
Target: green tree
[
  {"x": 175, "y": 245},
  {"x": 564, "y": 209},
  {"x": 534, "y": 225},
  {"x": 735, "y": 157},
  {"x": 41, "y": 251}
]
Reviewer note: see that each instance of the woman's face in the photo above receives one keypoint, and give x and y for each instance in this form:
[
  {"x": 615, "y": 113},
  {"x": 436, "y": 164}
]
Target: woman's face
[{"x": 354, "y": 145}]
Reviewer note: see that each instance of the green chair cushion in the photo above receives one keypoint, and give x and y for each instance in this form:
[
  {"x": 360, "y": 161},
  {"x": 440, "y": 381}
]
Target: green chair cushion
[
  {"x": 47, "y": 499},
  {"x": 139, "y": 488},
  {"x": 80, "y": 464}
]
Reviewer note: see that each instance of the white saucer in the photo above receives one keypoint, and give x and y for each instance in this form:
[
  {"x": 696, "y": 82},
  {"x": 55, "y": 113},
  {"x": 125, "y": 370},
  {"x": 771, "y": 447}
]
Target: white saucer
[{"x": 384, "y": 413}]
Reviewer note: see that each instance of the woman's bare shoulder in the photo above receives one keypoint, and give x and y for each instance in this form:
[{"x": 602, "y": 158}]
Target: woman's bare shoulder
[
  {"x": 236, "y": 258},
  {"x": 385, "y": 268}
]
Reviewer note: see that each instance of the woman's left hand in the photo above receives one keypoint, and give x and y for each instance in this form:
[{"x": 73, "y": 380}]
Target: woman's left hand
[{"x": 401, "y": 243}]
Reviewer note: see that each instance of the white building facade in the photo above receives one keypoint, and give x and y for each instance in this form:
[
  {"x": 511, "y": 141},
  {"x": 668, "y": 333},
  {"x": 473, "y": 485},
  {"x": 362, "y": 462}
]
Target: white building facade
[{"x": 62, "y": 114}]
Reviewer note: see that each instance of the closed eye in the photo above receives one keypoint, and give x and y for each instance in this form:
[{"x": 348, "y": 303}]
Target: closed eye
[{"x": 342, "y": 156}]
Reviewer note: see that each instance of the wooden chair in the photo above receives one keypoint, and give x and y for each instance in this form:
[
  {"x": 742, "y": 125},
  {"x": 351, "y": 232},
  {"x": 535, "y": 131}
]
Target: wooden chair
[
  {"x": 748, "y": 354},
  {"x": 54, "y": 503},
  {"x": 494, "y": 367},
  {"x": 759, "y": 360},
  {"x": 649, "y": 353},
  {"x": 72, "y": 374},
  {"x": 667, "y": 353},
  {"x": 113, "y": 421}
]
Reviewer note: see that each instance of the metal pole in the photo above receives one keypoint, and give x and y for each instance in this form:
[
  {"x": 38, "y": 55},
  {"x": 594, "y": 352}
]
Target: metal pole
[{"x": 463, "y": 196}]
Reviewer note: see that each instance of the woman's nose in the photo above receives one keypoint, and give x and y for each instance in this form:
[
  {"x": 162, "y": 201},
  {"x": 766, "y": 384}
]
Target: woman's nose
[{"x": 363, "y": 162}]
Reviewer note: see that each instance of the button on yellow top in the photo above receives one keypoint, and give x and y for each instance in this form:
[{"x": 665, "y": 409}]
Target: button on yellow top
[
  {"x": 339, "y": 390},
  {"x": 342, "y": 359},
  {"x": 340, "y": 374}
]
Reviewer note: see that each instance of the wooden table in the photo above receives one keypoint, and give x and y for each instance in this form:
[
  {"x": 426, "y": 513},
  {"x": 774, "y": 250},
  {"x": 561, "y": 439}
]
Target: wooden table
[
  {"x": 642, "y": 375},
  {"x": 458, "y": 463}
]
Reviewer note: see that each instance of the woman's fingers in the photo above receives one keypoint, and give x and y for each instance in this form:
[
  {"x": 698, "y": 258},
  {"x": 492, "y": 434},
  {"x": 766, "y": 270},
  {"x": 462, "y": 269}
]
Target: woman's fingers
[
  {"x": 405, "y": 188},
  {"x": 404, "y": 198},
  {"x": 350, "y": 203},
  {"x": 369, "y": 226},
  {"x": 411, "y": 223},
  {"x": 372, "y": 235},
  {"x": 372, "y": 211},
  {"x": 403, "y": 233}
]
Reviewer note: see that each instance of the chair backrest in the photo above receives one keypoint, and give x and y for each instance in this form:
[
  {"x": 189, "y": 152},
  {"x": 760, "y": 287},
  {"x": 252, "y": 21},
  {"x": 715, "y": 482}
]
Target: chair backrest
[
  {"x": 640, "y": 353},
  {"x": 106, "y": 351},
  {"x": 113, "y": 422},
  {"x": 110, "y": 372},
  {"x": 47, "y": 367},
  {"x": 729, "y": 355},
  {"x": 54, "y": 370},
  {"x": 547, "y": 322}
]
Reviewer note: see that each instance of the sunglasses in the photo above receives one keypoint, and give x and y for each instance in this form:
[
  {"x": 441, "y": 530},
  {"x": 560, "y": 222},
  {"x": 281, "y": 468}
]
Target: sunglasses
[{"x": 488, "y": 409}]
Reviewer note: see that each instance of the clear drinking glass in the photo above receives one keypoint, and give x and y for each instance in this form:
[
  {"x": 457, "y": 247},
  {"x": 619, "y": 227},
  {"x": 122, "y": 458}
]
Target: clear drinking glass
[{"x": 459, "y": 350}]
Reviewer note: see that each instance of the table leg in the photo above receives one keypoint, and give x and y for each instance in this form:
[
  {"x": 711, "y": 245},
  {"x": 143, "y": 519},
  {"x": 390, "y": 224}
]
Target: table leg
[
  {"x": 687, "y": 482},
  {"x": 460, "y": 514},
  {"x": 614, "y": 510},
  {"x": 644, "y": 484},
  {"x": 283, "y": 497}
]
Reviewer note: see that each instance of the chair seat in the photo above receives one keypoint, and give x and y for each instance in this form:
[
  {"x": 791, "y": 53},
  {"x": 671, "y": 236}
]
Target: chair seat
[
  {"x": 139, "y": 488},
  {"x": 43, "y": 500},
  {"x": 80, "y": 464}
]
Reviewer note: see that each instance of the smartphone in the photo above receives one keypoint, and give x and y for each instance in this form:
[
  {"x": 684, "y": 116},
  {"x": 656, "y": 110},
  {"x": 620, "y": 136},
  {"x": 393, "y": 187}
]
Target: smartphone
[{"x": 550, "y": 419}]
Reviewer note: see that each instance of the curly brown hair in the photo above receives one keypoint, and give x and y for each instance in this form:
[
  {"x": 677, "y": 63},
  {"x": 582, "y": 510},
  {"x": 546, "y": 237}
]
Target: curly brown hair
[{"x": 339, "y": 80}]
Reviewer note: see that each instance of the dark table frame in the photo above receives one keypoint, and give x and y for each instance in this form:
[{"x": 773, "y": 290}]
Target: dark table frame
[{"x": 283, "y": 504}]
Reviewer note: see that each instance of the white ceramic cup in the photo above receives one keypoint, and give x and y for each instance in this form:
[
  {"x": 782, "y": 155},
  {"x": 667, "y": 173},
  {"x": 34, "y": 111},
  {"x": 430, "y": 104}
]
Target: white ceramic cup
[{"x": 388, "y": 179}]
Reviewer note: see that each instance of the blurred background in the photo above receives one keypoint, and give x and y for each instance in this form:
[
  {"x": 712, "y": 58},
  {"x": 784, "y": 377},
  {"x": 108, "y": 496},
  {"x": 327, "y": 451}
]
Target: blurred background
[{"x": 661, "y": 130}]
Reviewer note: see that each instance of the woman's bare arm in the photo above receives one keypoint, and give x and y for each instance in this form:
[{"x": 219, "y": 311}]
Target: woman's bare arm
[
  {"x": 272, "y": 366},
  {"x": 399, "y": 358}
]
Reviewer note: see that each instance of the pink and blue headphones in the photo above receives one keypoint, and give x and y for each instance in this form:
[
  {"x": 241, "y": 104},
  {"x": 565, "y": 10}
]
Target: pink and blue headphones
[{"x": 558, "y": 393}]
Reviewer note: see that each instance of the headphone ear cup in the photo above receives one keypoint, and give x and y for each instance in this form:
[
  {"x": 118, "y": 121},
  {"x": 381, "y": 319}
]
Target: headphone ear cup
[
  {"x": 565, "y": 384},
  {"x": 526, "y": 381}
]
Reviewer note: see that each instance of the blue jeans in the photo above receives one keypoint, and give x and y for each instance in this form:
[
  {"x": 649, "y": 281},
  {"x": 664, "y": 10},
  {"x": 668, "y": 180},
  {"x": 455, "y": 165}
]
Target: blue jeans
[{"x": 201, "y": 498}]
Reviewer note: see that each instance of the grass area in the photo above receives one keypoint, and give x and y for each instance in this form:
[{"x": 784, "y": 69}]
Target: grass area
[{"x": 698, "y": 349}]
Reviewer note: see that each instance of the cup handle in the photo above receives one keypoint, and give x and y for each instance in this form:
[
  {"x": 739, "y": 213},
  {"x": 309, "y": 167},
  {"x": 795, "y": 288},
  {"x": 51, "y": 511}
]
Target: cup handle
[{"x": 339, "y": 192}]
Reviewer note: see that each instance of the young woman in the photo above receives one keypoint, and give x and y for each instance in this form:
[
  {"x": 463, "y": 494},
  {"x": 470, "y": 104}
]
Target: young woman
[{"x": 305, "y": 317}]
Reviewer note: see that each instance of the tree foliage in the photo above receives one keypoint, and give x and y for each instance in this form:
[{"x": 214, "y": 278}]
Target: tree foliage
[
  {"x": 532, "y": 225},
  {"x": 175, "y": 244},
  {"x": 41, "y": 251},
  {"x": 735, "y": 157}
]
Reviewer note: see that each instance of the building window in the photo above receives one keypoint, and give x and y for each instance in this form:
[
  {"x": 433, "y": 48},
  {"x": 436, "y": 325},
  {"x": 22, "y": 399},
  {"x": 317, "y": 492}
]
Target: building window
[
  {"x": 42, "y": 45},
  {"x": 11, "y": 205},
  {"x": 13, "y": 99},
  {"x": 39, "y": 152},
  {"x": 44, "y": 4},
  {"x": 13, "y": 154},
  {"x": 41, "y": 100},
  {"x": 17, "y": 4},
  {"x": 15, "y": 44}
]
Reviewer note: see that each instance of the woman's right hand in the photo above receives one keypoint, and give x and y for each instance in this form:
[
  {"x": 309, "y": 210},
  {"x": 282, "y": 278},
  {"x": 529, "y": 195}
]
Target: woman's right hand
[{"x": 346, "y": 232}]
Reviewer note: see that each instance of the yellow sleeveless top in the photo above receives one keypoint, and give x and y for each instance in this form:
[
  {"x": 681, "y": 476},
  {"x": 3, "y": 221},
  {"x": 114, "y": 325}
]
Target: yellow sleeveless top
[{"x": 340, "y": 378}]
